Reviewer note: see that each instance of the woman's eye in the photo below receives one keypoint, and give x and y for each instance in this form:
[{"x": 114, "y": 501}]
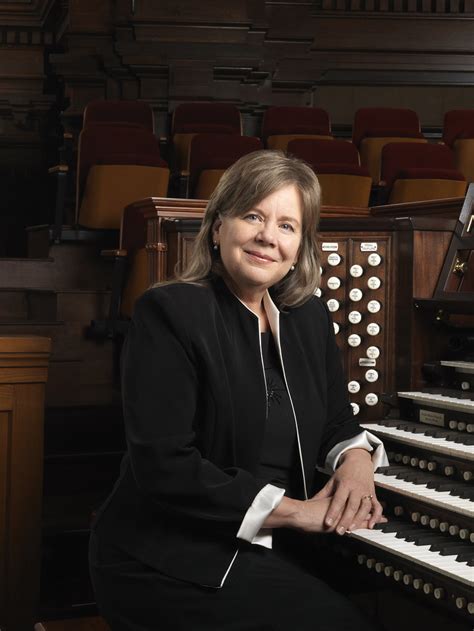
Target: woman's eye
[
  {"x": 288, "y": 227},
  {"x": 252, "y": 217}
]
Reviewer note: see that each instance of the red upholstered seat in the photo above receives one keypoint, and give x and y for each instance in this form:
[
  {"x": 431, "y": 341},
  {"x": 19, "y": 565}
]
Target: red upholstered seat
[
  {"x": 117, "y": 164},
  {"x": 106, "y": 112},
  {"x": 116, "y": 144},
  {"x": 284, "y": 123},
  {"x": 319, "y": 152},
  {"x": 336, "y": 163},
  {"x": 206, "y": 117},
  {"x": 295, "y": 120},
  {"x": 384, "y": 121},
  {"x": 211, "y": 155},
  {"x": 374, "y": 127},
  {"x": 201, "y": 118},
  {"x": 458, "y": 133},
  {"x": 420, "y": 172},
  {"x": 458, "y": 124}
]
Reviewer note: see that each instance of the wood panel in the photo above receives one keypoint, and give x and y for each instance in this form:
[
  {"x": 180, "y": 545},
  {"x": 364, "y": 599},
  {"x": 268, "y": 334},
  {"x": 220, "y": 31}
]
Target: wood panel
[{"x": 23, "y": 374}]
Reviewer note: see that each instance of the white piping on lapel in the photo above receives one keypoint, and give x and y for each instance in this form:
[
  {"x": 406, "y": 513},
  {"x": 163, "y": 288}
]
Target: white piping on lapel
[{"x": 273, "y": 315}]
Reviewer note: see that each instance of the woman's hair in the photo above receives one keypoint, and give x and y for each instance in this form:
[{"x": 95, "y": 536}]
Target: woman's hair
[{"x": 242, "y": 187}]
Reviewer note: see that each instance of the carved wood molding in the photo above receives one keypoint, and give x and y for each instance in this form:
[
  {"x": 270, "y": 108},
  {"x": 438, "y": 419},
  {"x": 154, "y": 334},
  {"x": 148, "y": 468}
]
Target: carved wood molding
[
  {"x": 26, "y": 13},
  {"x": 406, "y": 8}
]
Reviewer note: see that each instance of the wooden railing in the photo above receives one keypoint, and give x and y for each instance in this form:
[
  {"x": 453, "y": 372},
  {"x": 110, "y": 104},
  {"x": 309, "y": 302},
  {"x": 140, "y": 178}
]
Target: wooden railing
[{"x": 23, "y": 375}]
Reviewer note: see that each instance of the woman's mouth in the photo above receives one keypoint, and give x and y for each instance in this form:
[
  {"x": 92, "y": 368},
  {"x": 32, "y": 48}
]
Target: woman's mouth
[{"x": 259, "y": 256}]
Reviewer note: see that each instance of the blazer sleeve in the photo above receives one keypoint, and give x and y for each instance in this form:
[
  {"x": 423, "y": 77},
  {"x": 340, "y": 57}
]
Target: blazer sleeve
[
  {"x": 341, "y": 423},
  {"x": 160, "y": 385}
]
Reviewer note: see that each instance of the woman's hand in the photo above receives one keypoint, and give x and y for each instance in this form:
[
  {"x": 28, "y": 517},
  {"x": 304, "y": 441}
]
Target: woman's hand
[
  {"x": 312, "y": 516},
  {"x": 351, "y": 494},
  {"x": 308, "y": 516}
]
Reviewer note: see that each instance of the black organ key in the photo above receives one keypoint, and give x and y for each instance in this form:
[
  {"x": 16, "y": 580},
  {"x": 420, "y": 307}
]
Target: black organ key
[{"x": 467, "y": 556}]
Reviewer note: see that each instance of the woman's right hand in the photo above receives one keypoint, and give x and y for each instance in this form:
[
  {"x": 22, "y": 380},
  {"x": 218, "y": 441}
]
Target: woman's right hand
[{"x": 307, "y": 516}]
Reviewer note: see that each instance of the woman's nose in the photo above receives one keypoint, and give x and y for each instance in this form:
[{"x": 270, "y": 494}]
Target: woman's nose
[{"x": 267, "y": 233}]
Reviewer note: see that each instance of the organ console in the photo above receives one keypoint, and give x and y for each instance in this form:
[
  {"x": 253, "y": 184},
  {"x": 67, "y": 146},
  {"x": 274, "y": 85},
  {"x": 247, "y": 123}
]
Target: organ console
[
  {"x": 409, "y": 362},
  {"x": 427, "y": 545}
]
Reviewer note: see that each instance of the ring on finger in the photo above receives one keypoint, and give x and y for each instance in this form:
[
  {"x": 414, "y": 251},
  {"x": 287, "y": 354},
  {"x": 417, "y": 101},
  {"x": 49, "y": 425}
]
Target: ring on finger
[{"x": 368, "y": 497}]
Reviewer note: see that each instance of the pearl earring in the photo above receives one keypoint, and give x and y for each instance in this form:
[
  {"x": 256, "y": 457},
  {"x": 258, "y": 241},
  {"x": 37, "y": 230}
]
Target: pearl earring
[
  {"x": 292, "y": 268},
  {"x": 216, "y": 246}
]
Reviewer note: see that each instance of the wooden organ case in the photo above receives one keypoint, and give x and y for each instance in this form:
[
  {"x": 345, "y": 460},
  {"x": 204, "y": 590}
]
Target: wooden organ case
[{"x": 409, "y": 360}]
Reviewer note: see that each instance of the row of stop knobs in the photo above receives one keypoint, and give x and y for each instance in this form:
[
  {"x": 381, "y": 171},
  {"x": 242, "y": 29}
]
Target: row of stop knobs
[
  {"x": 401, "y": 576},
  {"x": 435, "y": 523},
  {"x": 429, "y": 465}
]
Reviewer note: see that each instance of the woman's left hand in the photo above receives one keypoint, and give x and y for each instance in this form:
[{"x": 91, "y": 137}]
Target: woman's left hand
[{"x": 352, "y": 490}]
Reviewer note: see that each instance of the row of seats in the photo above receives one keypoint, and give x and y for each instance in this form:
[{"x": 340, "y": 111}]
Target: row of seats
[
  {"x": 373, "y": 127},
  {"x": 119, "y": 162},
  {"x": 119, "y": 156}
]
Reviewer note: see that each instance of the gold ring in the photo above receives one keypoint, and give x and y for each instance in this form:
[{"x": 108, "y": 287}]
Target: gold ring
[{"x": 368, "y": 497}]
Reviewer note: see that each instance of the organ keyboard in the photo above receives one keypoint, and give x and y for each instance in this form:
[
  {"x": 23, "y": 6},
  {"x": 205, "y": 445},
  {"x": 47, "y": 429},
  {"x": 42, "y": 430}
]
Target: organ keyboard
[
  {"x": 437, "y": 441},
  {"x": 428, "y": 492}
]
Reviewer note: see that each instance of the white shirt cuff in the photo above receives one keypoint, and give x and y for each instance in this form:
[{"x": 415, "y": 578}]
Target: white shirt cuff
[
  {"x": 364, "y": 440},
  {"x": 251, "y": 527}
]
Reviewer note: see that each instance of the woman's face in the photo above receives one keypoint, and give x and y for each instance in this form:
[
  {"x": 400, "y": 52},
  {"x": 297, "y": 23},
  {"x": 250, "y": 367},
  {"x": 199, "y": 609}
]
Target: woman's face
[{"x": 259, "y": 246}]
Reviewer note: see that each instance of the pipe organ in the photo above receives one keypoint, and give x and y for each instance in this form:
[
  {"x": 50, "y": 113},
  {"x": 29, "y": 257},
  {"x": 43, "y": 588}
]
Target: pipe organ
[{"x": 409, "y": 362}]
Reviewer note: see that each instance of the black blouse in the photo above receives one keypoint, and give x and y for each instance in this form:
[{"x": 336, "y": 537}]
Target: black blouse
[{"x": 278, "y": 451}]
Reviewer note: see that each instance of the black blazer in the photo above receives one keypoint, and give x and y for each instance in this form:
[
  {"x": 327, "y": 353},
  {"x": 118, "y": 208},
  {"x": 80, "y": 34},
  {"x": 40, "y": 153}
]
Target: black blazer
[{"x": 195, "y": 406}]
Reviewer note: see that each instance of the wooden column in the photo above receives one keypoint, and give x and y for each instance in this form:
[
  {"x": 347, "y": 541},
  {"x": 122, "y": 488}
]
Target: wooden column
[{"x": 23, "y": 374}]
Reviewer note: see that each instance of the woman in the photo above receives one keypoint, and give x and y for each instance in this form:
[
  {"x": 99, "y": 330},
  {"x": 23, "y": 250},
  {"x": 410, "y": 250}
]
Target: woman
[{"x": 232, "y": 397}]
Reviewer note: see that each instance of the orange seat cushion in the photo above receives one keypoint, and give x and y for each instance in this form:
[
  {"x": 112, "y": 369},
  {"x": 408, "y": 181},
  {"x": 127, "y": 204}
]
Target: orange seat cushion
[{"x": 109, "y": 188}]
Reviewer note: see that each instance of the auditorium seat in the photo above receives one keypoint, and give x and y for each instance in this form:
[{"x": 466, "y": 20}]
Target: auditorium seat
[
  {"x": 127, "y": 111},
  {"x": 117, "y": 165},
  {"x": 284, "y": 123},
  {"x": 336, "y": 163},
  {"x": 190, "y": 119},
  {"x": 211, "y": 155},
  {"x": 374, "y": 127},
  {"x": 458, "y": 133},
  {"x": 130, "y": 274},
  {"x": 420, "y": 172}
]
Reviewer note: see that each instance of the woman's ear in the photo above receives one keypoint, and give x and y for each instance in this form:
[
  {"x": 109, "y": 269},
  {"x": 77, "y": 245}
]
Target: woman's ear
[{"x": 215, "y": 228}]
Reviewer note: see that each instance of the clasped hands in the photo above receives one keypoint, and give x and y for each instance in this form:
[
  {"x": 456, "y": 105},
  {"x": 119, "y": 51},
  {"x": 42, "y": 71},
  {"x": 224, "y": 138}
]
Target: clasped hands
[{"x": 348, "y": 500}]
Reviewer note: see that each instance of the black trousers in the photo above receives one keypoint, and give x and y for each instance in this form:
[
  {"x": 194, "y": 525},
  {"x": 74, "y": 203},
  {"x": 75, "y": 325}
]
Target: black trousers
[{"x": 264, "y": 591}]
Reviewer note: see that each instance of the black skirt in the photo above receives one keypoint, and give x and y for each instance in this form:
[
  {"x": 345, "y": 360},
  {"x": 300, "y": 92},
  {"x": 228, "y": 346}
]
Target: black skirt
[{"x": 264, "y": 591}]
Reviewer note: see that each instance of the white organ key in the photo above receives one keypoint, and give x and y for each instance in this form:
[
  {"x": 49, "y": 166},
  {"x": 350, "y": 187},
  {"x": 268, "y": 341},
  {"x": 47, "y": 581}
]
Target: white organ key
[
  {"x": 373, "y": 352},
  {"x": 355, "y": 408},
  {"x": 421, "y": 555},
  {"x": 334, "y": 282},
  {"x": 333, "y": 305},
  {"x": 374, "y": 282},
  {"x": 374, "y": 259},
  {"x": 467, "y": 367},
  {"x": 355, "y": 294},
  {"x": 334, "y": 259},
  {"x": 356, "y": 271},
  {"x": 373, "y": 328},
  {"x": 422, "y": 493},
  {"x": 440, "y": 445},
  {"x": 371, "y": 399},
  {"x": 440, "y": 401},
  {"x": 355, "y": 317}
]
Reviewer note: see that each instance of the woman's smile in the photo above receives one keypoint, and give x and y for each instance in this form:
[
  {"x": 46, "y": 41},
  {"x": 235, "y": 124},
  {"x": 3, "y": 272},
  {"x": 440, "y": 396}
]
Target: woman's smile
[
  {"x": 259, "y": 256},
  {"x": 259, "y": 246}
]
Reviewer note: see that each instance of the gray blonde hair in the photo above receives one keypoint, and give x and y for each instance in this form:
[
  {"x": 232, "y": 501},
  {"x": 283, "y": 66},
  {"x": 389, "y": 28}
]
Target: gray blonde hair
[{"x": 243, "y": 186}]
